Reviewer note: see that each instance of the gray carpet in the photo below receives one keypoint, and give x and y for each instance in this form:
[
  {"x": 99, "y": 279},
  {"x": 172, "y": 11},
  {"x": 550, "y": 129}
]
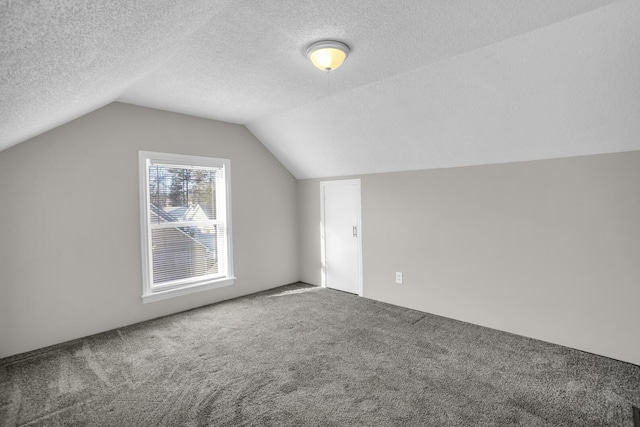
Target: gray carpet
[{"x": 301, "y": 355}]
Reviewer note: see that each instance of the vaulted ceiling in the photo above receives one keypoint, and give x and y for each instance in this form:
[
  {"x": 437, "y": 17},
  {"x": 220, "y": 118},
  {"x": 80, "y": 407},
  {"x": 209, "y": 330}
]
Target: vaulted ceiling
[{"x": 428, "y": 84}]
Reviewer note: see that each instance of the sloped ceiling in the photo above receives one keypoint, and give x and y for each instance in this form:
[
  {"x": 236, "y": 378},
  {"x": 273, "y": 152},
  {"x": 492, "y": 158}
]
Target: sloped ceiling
[{"x": 428, "y": 84}]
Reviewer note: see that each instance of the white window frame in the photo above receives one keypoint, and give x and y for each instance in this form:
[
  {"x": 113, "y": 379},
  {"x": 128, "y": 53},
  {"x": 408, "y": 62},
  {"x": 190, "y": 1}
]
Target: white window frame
[{"x": 186, "y": 286}]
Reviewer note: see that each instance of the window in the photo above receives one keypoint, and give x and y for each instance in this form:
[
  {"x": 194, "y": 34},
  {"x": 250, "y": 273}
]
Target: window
[{"x": 186, "y": 224}]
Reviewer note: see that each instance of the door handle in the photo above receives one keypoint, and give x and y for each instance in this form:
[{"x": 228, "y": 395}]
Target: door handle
[{"x": 355, "y": 231}]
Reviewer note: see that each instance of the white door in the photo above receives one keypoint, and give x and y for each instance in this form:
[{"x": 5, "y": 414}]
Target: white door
[{"x": 341, "y": 235}]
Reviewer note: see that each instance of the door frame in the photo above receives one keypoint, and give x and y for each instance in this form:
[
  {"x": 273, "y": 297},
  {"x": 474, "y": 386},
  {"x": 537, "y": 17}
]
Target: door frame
[{"x": 323, "y": 258}]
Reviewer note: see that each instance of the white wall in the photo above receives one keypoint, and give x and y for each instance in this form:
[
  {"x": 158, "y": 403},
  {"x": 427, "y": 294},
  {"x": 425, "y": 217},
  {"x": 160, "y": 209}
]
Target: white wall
[
  {"x": 547, "y": 249},
  {"x": 70, "y": 248}
]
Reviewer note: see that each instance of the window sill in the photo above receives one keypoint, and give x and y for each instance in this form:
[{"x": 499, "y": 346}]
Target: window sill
[{"x": 185, "y": 290}]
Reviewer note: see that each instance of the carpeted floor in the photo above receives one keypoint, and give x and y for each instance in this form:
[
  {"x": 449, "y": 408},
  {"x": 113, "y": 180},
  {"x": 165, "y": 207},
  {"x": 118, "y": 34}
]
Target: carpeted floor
[{"x": 301, "y": 355}]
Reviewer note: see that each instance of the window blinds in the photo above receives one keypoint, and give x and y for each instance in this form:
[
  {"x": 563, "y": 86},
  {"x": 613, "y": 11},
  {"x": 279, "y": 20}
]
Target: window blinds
[{"x": 186, "y": 223}]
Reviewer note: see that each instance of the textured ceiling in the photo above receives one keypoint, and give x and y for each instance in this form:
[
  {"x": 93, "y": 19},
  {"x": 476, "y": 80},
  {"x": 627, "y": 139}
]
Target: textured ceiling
[{"x": 428, "y": 84}]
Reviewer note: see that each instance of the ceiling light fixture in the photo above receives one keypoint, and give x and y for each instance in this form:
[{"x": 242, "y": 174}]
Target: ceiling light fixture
[{"x": 327, "y": 55}]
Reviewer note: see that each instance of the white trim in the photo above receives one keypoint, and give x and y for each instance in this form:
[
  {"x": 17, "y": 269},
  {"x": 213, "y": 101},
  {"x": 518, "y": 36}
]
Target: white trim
[
  {"x": 185, "y": 290},
  {"x": 155, "y": 293},
  {"x": 228, "y": 232},
  {"x": 323, "y": 255},
  {"x": 145, "y": 236}
]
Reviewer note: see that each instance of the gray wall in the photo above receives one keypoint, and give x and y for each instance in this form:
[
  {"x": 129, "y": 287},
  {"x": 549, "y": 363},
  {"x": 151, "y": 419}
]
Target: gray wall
[
  {"x": 547, "y": 249},
  {"x": 4, "y": 305},
  {"x": 70, "y": 246}
]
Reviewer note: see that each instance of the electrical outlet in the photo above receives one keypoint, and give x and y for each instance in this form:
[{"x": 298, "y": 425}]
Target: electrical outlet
[{"x": 398, "y": 277}]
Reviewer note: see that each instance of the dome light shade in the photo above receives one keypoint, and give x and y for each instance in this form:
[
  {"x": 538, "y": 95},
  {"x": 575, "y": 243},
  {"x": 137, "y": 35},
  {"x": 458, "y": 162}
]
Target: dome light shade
[{"x": 327, "y": 55}]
